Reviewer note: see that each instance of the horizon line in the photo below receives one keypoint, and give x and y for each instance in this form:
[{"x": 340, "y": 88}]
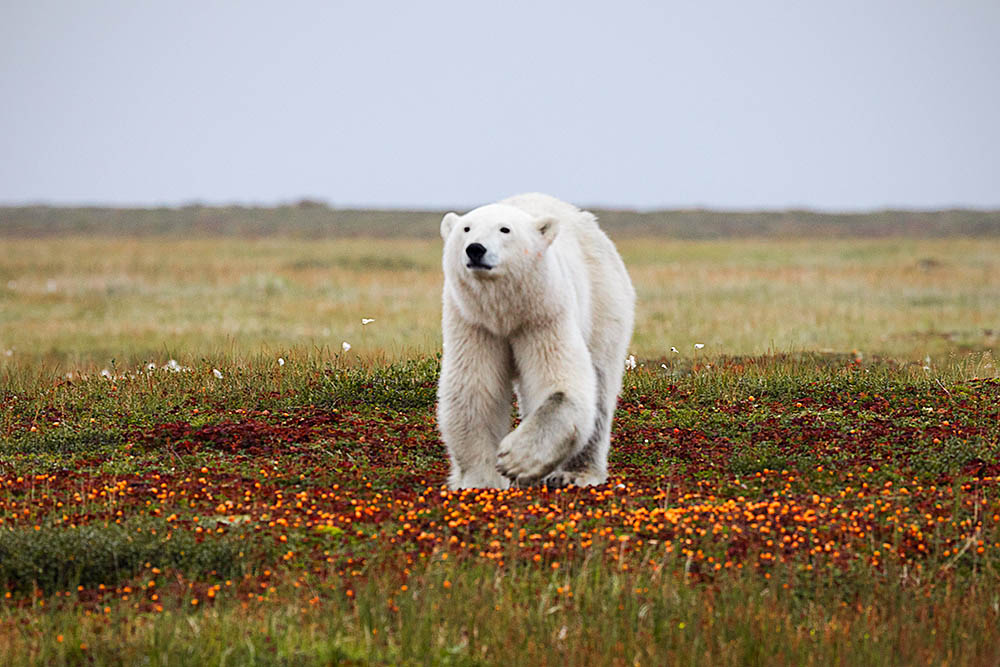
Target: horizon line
[{"x": 318, "y": 202}]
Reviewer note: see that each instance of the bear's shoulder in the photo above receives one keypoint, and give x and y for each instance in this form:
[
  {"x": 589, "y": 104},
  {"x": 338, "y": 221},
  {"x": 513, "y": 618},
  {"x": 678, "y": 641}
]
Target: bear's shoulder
[{"x": 571, "y": 218}]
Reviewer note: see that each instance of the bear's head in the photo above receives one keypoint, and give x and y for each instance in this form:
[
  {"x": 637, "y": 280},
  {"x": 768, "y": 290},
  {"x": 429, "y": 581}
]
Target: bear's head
[{"x": 495, "y": 240}]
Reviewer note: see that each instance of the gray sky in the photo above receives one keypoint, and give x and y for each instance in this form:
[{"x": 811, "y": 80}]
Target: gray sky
[{"x": 736, "y": 104}]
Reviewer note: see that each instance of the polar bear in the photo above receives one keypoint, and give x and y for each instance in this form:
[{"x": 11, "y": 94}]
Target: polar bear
[{"x": 536, "y": 299}]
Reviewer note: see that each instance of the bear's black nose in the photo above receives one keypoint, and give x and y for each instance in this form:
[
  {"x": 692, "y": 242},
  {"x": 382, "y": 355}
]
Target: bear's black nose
[{"x": 475, "y": 251}]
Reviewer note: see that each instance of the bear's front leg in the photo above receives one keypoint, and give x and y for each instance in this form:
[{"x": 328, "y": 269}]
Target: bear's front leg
[
  {"x": 557, "y": 382},
  {"x": 474, "y": 395}
]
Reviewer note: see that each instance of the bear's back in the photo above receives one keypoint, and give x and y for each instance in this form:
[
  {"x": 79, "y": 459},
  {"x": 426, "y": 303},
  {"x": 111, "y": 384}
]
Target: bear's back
[{"x": 537, "y": 204}]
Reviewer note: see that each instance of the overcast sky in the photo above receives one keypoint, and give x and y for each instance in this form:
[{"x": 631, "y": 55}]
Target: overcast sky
[{"x": 828, "y": 105}]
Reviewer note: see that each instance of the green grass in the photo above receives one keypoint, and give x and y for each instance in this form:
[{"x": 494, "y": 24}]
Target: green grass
[
  {"x": 480, "y": 616},
  {"x": 96, "y": 543},
  {"x": 54, "y": 557}
]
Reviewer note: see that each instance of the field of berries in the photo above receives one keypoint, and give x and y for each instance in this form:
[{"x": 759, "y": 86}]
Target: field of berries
[{"x": 807, "y": 509}]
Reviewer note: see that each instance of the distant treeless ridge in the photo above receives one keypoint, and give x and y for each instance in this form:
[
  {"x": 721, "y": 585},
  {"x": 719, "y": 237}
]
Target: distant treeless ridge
[{"x": 310, "y": 219}]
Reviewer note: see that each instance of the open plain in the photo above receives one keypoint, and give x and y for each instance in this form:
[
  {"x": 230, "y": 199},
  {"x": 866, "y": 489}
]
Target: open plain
[{"x": 194, "y": 468}]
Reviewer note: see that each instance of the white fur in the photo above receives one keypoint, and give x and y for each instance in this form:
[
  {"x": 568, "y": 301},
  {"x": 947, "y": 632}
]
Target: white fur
[{"x": 551, "y": 318}]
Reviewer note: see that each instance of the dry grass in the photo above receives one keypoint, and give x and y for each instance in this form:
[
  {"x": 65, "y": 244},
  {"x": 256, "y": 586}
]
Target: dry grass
[
  {"x": 75, "y": 302},
  {"x": 905, "y": 299}
]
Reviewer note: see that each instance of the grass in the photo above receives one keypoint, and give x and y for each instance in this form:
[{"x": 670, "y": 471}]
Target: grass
[
  {"x": 800, "y": 508},
  {"x": 816, "y": 485},
  {"x": 86, "y": 304},
  {"x": 54, "y": 557},
  {"x": 475, "y": 615}
]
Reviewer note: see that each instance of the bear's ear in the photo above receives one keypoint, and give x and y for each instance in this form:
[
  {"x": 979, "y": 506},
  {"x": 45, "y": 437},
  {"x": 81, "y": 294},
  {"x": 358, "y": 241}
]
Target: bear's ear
[
  {"x": 548, "y": 227},
  {"x": 447, "y": 222}
]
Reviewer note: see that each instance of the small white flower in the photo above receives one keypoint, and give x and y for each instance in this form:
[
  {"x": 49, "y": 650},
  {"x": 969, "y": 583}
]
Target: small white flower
[
  {"x": 281, "y": 362},
  {"x": 105, "y": 373},
  {"x": 698, "y": 346},
  {"x": 367, "y": 320},
  {"x": 217, "y": 373},
  {"x": 674, "y": 350},
  {"x": 630, "y": 362},
  {"x": 346, "y": 346},
  {"x": 150, "y": 367},
  {"x": 664, "y": 367},
  {"x": 175, "y": 367},
  {"x": 69, "y": 376},
  {"x": 620, "y": 486}
]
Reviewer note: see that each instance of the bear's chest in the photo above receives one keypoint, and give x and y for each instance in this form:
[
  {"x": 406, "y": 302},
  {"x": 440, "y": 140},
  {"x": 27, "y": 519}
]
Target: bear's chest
[{"x": 504, "y": 311}]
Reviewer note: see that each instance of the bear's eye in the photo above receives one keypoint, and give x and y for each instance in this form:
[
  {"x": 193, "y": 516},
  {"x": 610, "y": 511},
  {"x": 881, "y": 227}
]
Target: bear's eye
[
  {"x": 505, "y": 230},
  {"x": 466, "y": 229}
]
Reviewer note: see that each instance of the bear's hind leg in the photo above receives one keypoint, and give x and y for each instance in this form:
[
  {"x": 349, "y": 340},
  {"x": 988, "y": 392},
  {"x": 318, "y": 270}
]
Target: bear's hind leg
[{"x": 590, "y": 466}]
